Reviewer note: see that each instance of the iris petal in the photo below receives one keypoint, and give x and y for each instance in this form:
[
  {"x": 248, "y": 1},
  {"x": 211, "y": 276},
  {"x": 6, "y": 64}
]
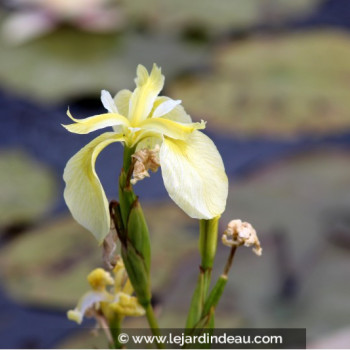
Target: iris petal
[
  {"x": 96, "y": 122},
  {"x": 87, "y": 301},
  {"x": 194, "y": 175},
  {"x": 170, "y": 128},
  {"x": 177, "y": 114},
  {"x": 165, "y": 108},
  {"x": 147, "y": 90},
  {"x": 84, "y": 194},
  {"x": 108, "y": 102},
  {"x": 122, "y": 100}
]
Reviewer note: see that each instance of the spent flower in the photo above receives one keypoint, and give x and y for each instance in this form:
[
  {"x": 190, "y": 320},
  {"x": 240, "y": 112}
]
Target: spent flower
[
  {"x": 110, "y": 294},
  {"x": 240, "y": 233}
]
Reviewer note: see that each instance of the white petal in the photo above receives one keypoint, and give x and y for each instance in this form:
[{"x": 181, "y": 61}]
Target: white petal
[
  {"x": 194, "y": 175},
  {"x": 87, "y": 301},
  {"x": 84, "y": 194},
  {"x": 165, "y": 108},
  {"x": 108, "y": 102},
  {"x": 177, "y": 114}
]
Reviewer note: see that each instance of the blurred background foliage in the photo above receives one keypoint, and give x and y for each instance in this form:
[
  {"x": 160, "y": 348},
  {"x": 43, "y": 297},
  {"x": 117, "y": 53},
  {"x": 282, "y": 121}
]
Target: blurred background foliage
[{"x": 271, "y": 77}]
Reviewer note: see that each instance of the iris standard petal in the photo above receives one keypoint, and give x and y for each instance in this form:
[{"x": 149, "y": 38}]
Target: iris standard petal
[
  {"x": 122, "y": 100},
  {"x": 170, "y": 128},
  {"x": 194, "y": 175},
  {"x": 177, "y": 114},
  {"x": 147, "y": 90},
  {"x": 108, "y": 102},
  {"x": 165, "y": 107},
  {"x": 84, "y": 194},
  {"x": 96, "y": 122}
]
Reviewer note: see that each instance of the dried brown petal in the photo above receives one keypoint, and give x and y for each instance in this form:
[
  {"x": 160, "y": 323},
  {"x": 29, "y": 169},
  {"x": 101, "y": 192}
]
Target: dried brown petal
[
  {"x": 144, "y": 160},
  {"x": 241, "y": 233}
]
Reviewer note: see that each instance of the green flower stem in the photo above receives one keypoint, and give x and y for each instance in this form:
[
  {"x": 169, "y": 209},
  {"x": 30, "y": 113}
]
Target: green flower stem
[
  {"x": 126, "y": 193},
  {"x": 134, "y": 236},
  {"x": 152, "y": 321},
  {"x": 115, "y": 328},
  {"x": 213, "y": 299},
  {"x": 208, "y": 239},
  {"x": 208, "y": 233}
]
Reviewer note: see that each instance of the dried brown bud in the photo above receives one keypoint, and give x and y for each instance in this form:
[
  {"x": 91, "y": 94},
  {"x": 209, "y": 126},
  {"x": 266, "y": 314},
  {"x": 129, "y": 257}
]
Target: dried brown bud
[
  {"x": 144, "y": 160},
  {"x": 241, "y": 233}
]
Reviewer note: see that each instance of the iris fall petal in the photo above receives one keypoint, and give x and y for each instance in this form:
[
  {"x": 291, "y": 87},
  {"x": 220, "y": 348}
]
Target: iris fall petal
[
  {"x": 194, "y": 175},
  {"x": 84, "y": 193}
]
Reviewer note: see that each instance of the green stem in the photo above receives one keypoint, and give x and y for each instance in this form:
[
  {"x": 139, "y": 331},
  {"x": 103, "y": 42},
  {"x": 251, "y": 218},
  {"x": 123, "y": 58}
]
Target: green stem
[
  {"x": 135, "y": 241},
  {"x": 208, "y": 240},
  {"x": 126, "y": 194},
  {"x": 115, "y": 328},
  {"x": 215, "y": 295},
  {"x": 152, "y": 318},
  {"x": 153, "y": 323},
  {"x": 208, "y": 232}
]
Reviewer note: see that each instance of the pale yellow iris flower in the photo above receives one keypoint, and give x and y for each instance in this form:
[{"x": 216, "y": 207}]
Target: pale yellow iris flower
[{"x": 192, "y": 168}]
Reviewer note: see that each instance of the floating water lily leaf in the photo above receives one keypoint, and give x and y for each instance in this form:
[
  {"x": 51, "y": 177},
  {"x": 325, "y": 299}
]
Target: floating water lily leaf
[
  {"x": 281, "y": 86},
  {"x": 49, "y": 265},
  {"x": 72, "y": 64},
  {"x": 168, "y": 15},
  {"x": 28, "y": 189},
  {"x": 57, "y": 276}
]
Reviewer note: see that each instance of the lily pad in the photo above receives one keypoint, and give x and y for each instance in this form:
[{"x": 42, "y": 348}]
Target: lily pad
[
  {"x": 57, "y": 276},
  {"x": 72, "y": 64},
  {"x": 213, "y": 17},
  {"x": 282, "y": 86},
  {"x": 28, "y": 189}
]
